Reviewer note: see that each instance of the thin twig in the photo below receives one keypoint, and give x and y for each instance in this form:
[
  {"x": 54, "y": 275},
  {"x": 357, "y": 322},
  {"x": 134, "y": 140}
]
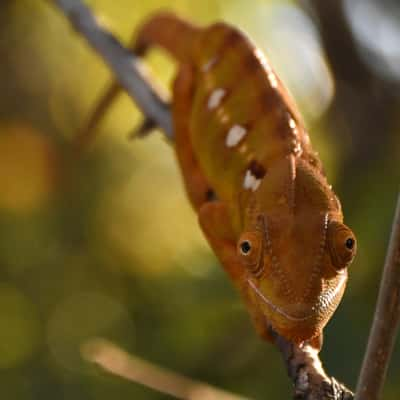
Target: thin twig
[
  {"x": 386, "y": 321},
  {"x": 118, "y": 362},
  {"x": 124, "y": 65}
]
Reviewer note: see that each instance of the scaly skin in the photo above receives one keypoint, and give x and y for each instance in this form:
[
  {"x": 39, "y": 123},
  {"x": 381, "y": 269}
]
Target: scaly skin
[{"x": 250, "y": 172}]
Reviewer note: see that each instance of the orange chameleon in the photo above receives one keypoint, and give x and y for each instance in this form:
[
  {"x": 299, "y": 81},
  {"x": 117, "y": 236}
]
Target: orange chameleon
[{"x": 251, "y": 174}]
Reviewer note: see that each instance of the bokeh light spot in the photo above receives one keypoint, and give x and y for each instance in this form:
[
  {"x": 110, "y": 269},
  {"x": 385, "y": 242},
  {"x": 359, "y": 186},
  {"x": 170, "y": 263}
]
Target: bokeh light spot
[
  {"x": 81, "y": 317},
  {"x": 28, "y": 167}
]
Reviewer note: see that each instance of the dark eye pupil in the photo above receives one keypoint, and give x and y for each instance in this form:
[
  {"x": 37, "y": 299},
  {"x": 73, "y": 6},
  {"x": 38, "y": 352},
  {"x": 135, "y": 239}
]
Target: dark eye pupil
[
  {"x": 245, "y": 247},
  {"x": 350, "y": 243}
]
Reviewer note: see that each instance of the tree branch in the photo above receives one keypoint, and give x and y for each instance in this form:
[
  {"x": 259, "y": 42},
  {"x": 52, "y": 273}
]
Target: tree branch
[
  {"x": 307, "y": 373},
  {"x": 118, "y": 362},
  {"x": 124, "y": 65},
  {"x": 386, "y": 321}
]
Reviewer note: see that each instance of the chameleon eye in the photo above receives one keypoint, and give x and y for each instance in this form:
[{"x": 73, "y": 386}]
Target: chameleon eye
[
  {"x": 350, "y": 243},
  {"x": 341, "y": 244},
  {"x": 245, "y": 247},
  {"x": 250, "y": 249}
]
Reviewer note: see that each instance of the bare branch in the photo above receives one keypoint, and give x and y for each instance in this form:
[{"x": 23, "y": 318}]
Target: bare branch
[
  {"x": 123, "y": 64},
  {"x": 116, "y": 361},
  {"x": 386, "y": 321}
]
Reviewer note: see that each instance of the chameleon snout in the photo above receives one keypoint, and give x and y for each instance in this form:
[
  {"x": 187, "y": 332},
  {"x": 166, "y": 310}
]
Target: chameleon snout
[{"x": 299, "y": 320}]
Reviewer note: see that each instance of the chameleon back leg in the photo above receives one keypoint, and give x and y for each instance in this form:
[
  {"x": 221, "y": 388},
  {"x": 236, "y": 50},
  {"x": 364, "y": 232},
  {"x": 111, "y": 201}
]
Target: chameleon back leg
[
  {"x": 163, "y": 30},
  {"x": 88, "y": 133}
]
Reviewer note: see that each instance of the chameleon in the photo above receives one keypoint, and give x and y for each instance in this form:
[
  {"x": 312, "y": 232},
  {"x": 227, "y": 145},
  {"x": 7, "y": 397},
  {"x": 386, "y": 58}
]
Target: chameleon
[{"x": 251, "y": 174}]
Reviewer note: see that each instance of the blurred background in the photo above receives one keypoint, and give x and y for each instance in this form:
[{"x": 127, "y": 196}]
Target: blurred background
[{"x": 108, "y": 246}]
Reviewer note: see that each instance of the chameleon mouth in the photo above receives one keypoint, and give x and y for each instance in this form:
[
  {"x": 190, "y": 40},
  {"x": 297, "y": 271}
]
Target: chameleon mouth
[{"x": 324, "y": 301}]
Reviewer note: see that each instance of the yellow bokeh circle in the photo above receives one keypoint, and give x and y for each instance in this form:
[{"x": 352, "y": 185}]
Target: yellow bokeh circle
[{"x": 28, "y": 168}]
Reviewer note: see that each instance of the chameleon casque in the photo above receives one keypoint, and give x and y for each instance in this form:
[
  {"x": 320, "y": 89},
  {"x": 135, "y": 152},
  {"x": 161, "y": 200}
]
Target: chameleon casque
[{"x": 259, "y": 189}]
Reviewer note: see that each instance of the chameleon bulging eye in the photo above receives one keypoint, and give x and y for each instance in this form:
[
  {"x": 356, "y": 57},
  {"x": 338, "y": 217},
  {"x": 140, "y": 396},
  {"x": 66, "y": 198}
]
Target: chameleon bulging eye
[
  {"x": 341, "y": 245},
  {"x": 245, "y": 247},
  {"x": 350, "y": 243},
  {"x": 250, "y": 246}
]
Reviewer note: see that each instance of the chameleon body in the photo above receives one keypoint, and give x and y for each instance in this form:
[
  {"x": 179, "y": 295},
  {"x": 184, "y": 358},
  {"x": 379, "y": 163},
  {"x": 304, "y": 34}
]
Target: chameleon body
[{"x": 251, "y": 174}]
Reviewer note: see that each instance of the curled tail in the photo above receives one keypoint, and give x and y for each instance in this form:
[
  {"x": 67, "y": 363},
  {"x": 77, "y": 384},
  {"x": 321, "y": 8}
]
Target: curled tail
[
  {"x": 164, "y": 30},
  {"x": 167, "y": 31}
]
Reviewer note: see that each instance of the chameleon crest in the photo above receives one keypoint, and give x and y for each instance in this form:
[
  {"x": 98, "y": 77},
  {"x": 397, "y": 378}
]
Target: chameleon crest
[{"x": 251, "y": 174}]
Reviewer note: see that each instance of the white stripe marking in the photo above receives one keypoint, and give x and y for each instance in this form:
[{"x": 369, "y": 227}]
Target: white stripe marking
[
  {"x": 250, "y": 181},
  {"x": 293, "y": 126},
  {"x": 215, "y": 98},
  {"x": 272, "y": 80},
  {"x": 263, "y": 60},
  {"x": 235, "y": 135}
]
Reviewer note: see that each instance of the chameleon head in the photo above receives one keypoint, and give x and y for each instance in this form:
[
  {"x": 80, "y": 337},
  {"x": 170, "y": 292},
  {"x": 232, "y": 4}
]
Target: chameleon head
[{"x": 296, "y": 260}]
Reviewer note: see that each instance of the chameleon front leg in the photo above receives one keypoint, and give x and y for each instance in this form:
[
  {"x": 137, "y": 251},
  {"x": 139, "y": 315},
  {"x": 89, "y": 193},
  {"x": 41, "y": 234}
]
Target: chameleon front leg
[{"x": 214, "y": 220}]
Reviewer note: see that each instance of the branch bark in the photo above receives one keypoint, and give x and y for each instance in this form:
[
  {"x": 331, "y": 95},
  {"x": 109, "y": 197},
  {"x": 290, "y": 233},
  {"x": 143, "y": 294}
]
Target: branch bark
[
  {"x": 124, "y": 65},
  {"x": 386, "y": 321},
  {"x": 309, "y": 378},
  {"x": 303, "y": 363}
]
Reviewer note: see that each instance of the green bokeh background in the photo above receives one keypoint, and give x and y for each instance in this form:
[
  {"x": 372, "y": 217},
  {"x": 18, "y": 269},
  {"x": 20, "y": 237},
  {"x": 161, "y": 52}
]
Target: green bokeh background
[{"x": 108, "y": 246}]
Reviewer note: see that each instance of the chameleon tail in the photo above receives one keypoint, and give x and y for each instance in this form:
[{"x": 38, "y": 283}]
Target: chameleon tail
[{"x": 169, "y": 32}]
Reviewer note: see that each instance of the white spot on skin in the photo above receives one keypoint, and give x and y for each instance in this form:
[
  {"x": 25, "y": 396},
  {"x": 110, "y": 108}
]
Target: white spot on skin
[
  {"x": 209, "y": 64},
  {"x": 272, "y": 80},
  {"x": 263, "y": 60},
  {"x": 293, "y": 126},
  {"x": 296, "y": 148},
  {"x": 215, "y": 98},
  {"x": 250, "y": 181},
  {"x": 261, "y": 57},
  {"x": 256, "y": 184},
  {"x": 235, "y": 135}
]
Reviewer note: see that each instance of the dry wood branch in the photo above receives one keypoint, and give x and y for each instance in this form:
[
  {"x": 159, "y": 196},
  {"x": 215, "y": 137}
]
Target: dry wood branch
[
  {"x": 116, "y": 361},
  {"x": 303, "y": 363},
  {"x": 125, "y": 67},
  {"x": 386, "y": 321}
]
